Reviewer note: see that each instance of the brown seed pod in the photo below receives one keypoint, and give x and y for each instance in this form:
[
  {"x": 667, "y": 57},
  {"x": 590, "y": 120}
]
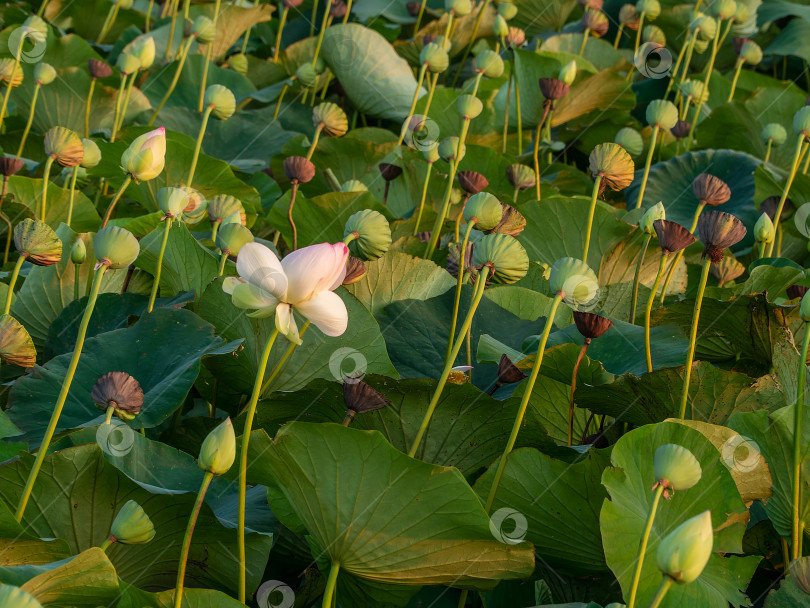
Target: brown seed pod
[
  {"x": 508, "y": 372},
  {"x": 681, "y": 129},
  {"x": 512, "y": 221},
  {"x": 16, "y": 345},
  {"x": 553, "y": 88},
  {"x": 390, "y": 172},
  {"x": 596, "y": 21},
  {"x": 719, "y": 230},
  {"x": 453, "y": 252},
  {"x": 710, "y": 190},
  {"x": 515, "y": 38},
  {"x": 355, "y": 270},
  {"x": 10, "y": 166},
  {"x": 298, "y": 169},
  {"x": 472, "y": 182},
  {"x": 338, "y": 9},
  {"x": 413, "y": 8},
  {"x": 738, "y": 43},
  {"x": 99, "y": 68},
  {"x": 591, "y": 325},
  {"x": 594, "y": 4},
  {"x": 796, "y": 291},
  {"x": 770, "y": 205},
  {"x": 360, "y": 398},
  {"x": 629, "y": 16},
  {"x": 292, "y": 3},
  {"x": 672, "y": 237},
  {"x": 118, "y": 390}
]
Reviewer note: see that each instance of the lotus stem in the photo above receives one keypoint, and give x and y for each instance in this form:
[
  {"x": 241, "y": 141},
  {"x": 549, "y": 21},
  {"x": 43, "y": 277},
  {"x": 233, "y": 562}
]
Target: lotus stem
[
  {"x": 666, "y": 583},
  {"x": 115, "y": 200},
  {"x": 591, "y": 210},
  {"x": 348, "y": 12},
  {"x": 283, "y": 362},
  {"x": 314, "y": 143},
  {"x": 118, "y": 99},
  {"x": 647, "y": 312},
  {"x": 184, "y": 48},
  {"x": 28, "y": 124},
  {"x": 76, "y": 281},
  {"x": 186, "y": 7},
  {"x": 192, "y": 521},
  {"x": 581, "y": 356},
  {"x": 638, "y": 33},
  {"x": 148, "y": 20},
  {"x": 737, "y": 71},
  {"x": 644, "y": 246},
  {"x": 108, "y": 23},
  {"x": 214, "y": 229},
  {"x": 690, "y": 354},
  {"x": 278, "y": 102},
  {"x": 517, "y": 107},
  {"x": 690, "y": 49},
  {"x": 797, "y": 446},
  {"x": 46, "y": 175},
  {"x": 124, "y": 106},
  {"x": 618, "y": 36},
  {"x": 673, "y": 74},
  {"x": 791, "y": 176},
  {"x": 198, "y": 145},
  {"x": 331, "y": 584},
  {"x": 768, "y": 150},
  {"x": 506, "y": 114},
  {"x": 422, "y": 200},
  {"x": 524, "y": 403},
  {"x": 459, "y": 283},
  {"x": 243, "y": 455},
  {"x": 547, "y": 107},
  {"x": 282, "y": 21},
  {"x": 548, "y": 135},
  {"x": 473, "y": 36},
  {"x": 173, "y": 10},
  {"x": 584, "y": 41},
  {"x": 419, "y": 17},
  {"x": 420, "y": 80},
  {"x": 12, "y": 282},
  {"x": 478, "y": 293},
  {"x": 313, "y": 17},
  {"x": 293, "y": 191},
  {"x": 222, "y": 260},
  {"x": 431, "y": 90},
  {"x": 87, "y": 105},
  {"x": 679, "y": 255},
  {"x": 647, "y": 164},
  {"x": 9, "y": 235},
  {"x": 642, "y": 547},
  {"x": 109, "y": 414},
  {"x": 42, "y": 6},
  {"x": 73, "y": 177},
  {"x": 209, "y": 52},
  {"x": 709, "y": 70},
  {"x": 156, "y": 283},
  {"x": 10, "y": 83},
  {"x": 63, "y": 393},
  {"x": 324, "y": 26}
]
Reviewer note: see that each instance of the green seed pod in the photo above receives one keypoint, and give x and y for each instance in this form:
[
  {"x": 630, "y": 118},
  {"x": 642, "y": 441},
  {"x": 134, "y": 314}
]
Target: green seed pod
[
  {"x": 306, "y": 75},
  {"x": 238, "y": 63},
  {"x": 763, "y": 229},
  {"x": 485, "y": 209},
  {"x": 522, "y": 177},
  {"x": 459, "y": 7},
  {"x": 631, "y": 140},
  {"x": 742, "y": 14},
  {"x": 197, "y": 207},
  {"x": 231, "y": 237},
  {"x": 78, "y": 251},
  {"x": 505, "y": 256},
  {"x": 223, "y": 205},
  {"x": 751, "y": 52},
  {"x": 332, "y": 117},
  {"x": 435, "y": 57},
  {"x": 774, "y": 132},
  {"x": 490, "y": 63},
  {"x": 662, "y": 113},
  {"x": 172, "y": 201},
  {"x": 37, "y": 242},
  {"x": 353, "y": 185},
  {"x": 124, "y": 4},
  {"x": 694, "y": 92},
  {"x": 222, "y": 101},
  {"x": 574, "y": 280},
  {"x": 431, "y": 153},
  {"x": 507, "y": 10},
  {"x": 656, "y": 212},
  {"x": 6, "y": 70},
  {"x": 204, "y": 30},
  {"x": 684, "y": 552},
  {"x": 653, "y": 33},
  {"x": 801, "y": 121},
  {"x": 64, "y": 146},
  {"x": 676, "y": 468},
  {"x": 115, "y": 247},
  {"x": 568, "y": 73},
  {"x": 92, "y": 154},
  {"x": 449, "y": 147},
  {"x": 319, "y": 65},
  {"x": 44, "y": 73},
  {"x": 799, "y": 573},
  {"x": 373, "y": 234},
  {"x": 500, "y": 28},
  {"x": 650, "y": 8},
  {"x": 469, "y": 106},
  {"x": 614, "y": 164},
  {"x": 14, "y": 597},
  {"x": 705, "y": 26},
  {"x": 132, "y": 525},
  {"x": 218, "y": 451},
  {"x": 724, "y": 9},
  {"x": 628, "y": 15},
  {"x": 804, "y": 309},
  {"x": 16, "y": 345},
  {"x": 128, "y": 63},
  {"x": 701, "y": 45}
]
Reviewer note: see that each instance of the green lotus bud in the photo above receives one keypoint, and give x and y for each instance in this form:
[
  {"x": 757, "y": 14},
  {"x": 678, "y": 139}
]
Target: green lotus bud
[
  {"x": 701, "y": 45},
  {"x": 204, "y": 30},
  {"x": 459, "y": 7},
  {"x": 448, "y": 148},
  {"x": 507, "y": 10},
  {"x": 222, "y": 206},
  {"x": 763, "y": 229},
  {"x": 631, "y": 140},
  {"x": 574, "y": 281},
  {"x": 568, "y": 73},
  {"x": 238, "y": 63},
  {"x": 435, "y": 57},
  {"x": 115, "y": 247},
  {"x": 500, "y": 28},
  {"x": 16, "y": 345},
  {"x": 353, "y": 185},
  {"x": 44, "y": 73},
  {"x": 650, "y": 8},
  {"x": 222, "y": 101},
  {"x": 742, "y": 14},
  {"x": 306, "y": 75},
  {"x": 774, "y": 132},
  {"x": 469, "y": 106},
  {"x": 143, "y": 48},
  {"x": 751, "y": 52},
  {"x": 124, "y": 4},
  {"x": 804, "y": 309},
  {"x": 705, "y": 26},
  {"x": 662, "y": 113},
  {"x": 613, "y": 164},
  {"x": 92, "y": 154},
  {"x": 431, "y": 153},
  {"x": 132, "y": 525},
  {"x": 484, "y": 209},
  {"x": 231, "y": 237},
  {"x": 78, "y": 251},
  {"x": 372, "y": 234},
  {"x": 504, "y": 255},
  {"x": 14, "y": 597},
  {"x": 332, "y": 117},
  {"x": 128, "y": 63},
  {"x": 801, "y": 121},
  {"x": 37, "y": 242},
  {"x": 694, "y": 91},
  {"x": 656, "y": 212},
  {"x": 145, "y": 157},
  {"x": 218, "y": 451},
  {"x": 724, "y": 9},
  {"x": 172, "y": 201},
  {"x": 799, "y": 573},
  {"x": 676, "y": 469},
  {"x": 319, "y": 65},
  {"x": 684, "y": 552},
  {"x": 653, "y": 33},
  {"x": 64, "y": 146},
  {"x": 490, "y": 63}
]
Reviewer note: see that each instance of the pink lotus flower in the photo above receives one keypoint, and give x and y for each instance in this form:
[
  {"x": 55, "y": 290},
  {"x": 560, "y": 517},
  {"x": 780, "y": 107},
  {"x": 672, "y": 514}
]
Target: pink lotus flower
[
  {"x": 304, "y": 281},
  {"x": 146, "y": 155}
]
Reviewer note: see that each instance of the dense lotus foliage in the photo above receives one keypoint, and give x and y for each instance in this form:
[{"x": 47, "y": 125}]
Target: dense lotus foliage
[{"x": 393, "y": 304}]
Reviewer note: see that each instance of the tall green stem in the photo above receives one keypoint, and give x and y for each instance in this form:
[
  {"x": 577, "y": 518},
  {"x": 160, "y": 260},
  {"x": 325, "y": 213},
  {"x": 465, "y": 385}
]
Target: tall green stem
[
  {"x": 324, "y": 25},
  {"x": 125, "y": 104},
  {"x": 690, "y": 354},
  {"x": 737, "y": 71},
  {"x": 768, "y": 149},
  {"x": 243, "y": 456},
  {"x": 28, "y": 124},
  {"x": 108, "y": 23},
  {"x": 198, "y": 145},
  {"x": 678, "y": 61},
  {"x": 666, "y": 583},
  {"x": 46, "y": 176},
  {"x": 118, "y": 99},
  {"x": 192, "y": 521},
  {"x": 647, "y": 312},
  {"x": 647, "y": 164},
  {"x": 517, "y": 106},
  {"x": 331, "y": 585},
  {"x": 173, "y": 11},
  {"x": 585, "y": 35},
  {"x": 581, "y": 356},
  {"x": 473, "y": 37},
  {"x": 422, "y": 200},
  {"x": 87, "y": 105},
  {"x": 791, "y": 176},
  {"x": 690, "y": 49},
  {"x": 314, "y": 143},
  {"x": 639, "y": 263},
  {"x": 547, "y": 107},
  {"x": 709, "y": 71},
  {"x": 431, "y": 91},
  {"x": 75, "y": 174},
  {"x": 478, "y": 293},
  {"x": 115, "y": 200},
  {"x": 280, "y": 99},
  {"x": 209, "y": 53},
  {"x": 12, "y": 282},
  {"x": 679, "y": 255},
  {"x": 618, "y": 38},
  {"x": 797, "y": 445},
  {"x": 76, "y": 281},
  {"x": 63, "y": 393},
  {"x": 642, "y": 547},
  {"x": 156, "y": 283},
  {"x": 10, "y": 82},
  {"x": 282, "y": 21},
  {"x": 459, "y": 283},
  {"x": 406, "y": 124},
  {"x": 222, "y": 260},
  {"x": 638, "y": 34},
  {"x": 184, "y": 47},
  {"x": 591, "y": 210},
  {"x": 293, "y": 192},
  {"x": 280, "y": 365}
]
